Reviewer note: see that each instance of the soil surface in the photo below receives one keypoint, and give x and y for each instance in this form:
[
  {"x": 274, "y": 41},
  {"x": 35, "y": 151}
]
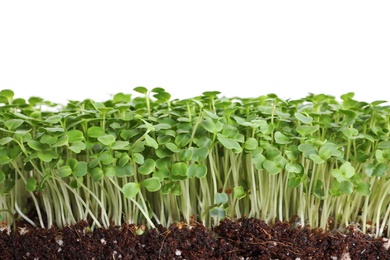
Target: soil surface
[{"x": 244, "y": 238}]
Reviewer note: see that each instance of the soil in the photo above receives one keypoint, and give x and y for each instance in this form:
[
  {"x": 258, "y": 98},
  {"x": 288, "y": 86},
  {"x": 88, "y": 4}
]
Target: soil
[{"x": 244, "y": 238}]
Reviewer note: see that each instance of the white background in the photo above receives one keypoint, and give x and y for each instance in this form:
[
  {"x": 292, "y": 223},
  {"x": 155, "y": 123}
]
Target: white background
[{"x": 62, "y": 50}]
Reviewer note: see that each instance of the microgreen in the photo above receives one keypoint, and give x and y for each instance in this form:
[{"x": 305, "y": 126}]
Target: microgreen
[{"x": 152, "y": 160}]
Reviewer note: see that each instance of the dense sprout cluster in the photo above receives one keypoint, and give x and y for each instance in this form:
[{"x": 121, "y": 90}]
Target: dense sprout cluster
[{"x": 145, "y": 158}]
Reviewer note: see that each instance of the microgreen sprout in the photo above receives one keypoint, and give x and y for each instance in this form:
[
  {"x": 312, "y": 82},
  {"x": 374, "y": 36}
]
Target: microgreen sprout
[{"x": 153, "y": 160}]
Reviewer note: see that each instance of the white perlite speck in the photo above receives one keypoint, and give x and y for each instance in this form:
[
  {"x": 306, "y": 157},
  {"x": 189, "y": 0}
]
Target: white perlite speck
[
  {"x": 60, "y": 242},
  {"x": 23, "y": 231},
  {"x": 5, "y": 228},
  {"x": 386, "y": 244},
  {"x": 178, "y": 252},
  {"x": 103, "y": 241},
  {"x": 345, "y": 256}
]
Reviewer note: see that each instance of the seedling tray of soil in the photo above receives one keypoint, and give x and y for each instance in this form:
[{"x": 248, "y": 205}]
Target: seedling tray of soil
[{"x": 245, "y": 238}]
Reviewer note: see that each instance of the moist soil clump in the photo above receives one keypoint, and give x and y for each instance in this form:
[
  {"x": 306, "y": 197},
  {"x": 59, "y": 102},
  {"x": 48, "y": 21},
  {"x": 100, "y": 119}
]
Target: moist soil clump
[{"x": 245, "y": 238}]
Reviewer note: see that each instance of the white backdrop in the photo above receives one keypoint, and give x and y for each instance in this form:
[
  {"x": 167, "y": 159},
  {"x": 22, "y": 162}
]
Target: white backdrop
[{"x": 62, "y": 50}]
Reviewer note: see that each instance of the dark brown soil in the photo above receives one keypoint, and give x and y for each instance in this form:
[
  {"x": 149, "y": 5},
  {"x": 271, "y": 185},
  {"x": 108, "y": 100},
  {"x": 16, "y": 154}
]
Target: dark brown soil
[{"x": 241, "y": 239}]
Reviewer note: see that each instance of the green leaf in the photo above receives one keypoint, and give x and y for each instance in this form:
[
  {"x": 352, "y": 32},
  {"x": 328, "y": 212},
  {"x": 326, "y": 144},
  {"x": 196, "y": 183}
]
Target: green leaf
[
  {"x": 221, "y": 198},
  {"x": 363, "y": 188},
  {"x": 186, "y": 154},
  {"x": 176, "y": 190},
  {"x": 380, "y": 170},
  {"x": 141, "y": 90},
  {"x": 251, "y": 144},
  {"x": 180, "y": 169},
  {"x": 147, "y": 167},
  {"x": 316, "y": 159},
  {"x": 239, "y": 192},
  {"x": 305, "y": 130},
  {"x": 120, "y": 145},
  {"x": 56, "y": 129},
  {"x": 152, "y": 184},
  {"x": 280, "y": 161},
  {"x": 122, "y": 171},
  {"x": 200, "y": 154},
  {"x": 182, "y": 140},
  {"x": 106, "y": 139},
  {"x": 48, "y": 139},
  {"x": 209, "y": 125},
  {"x": 131, "y": 189},
  {"x": 7, "y": 93},
  {"x": 379, "y": 154},
  {"x": 163, "y": 153},
  {"x": 95, "y": 132},
  {"x": 211, "y": 93},
  {"x": 258, "y": 159},
  {"x": 149, "y": 141},
  {"x": 218, "y": 212},
  {"x": 307, "y": 149},
  {"x": 64, "y": 171},
  {"x": 13, "y": 124},
  {"x": 124, "y": 158},
  {"x": 47, "y": 156},
  {"x": 197, "y": 170},
  {"x": 384, "y": 145},
  {"x": 109, "y": 171},
  {"x": 346, "y": 187},
  {"x": 281, "y": 138},
  {"x": 294, "y": 167},
  {"x": 162, "y": 173},
  {"x": 211, "y": 114},
  {"x": 292, "y": 152},
  {"x": 121, "y": 98},
  {"x": 77, "y": 147},
  {"x": 80, "y": 169},
  {"x": 163, "y": 96},
  {"x": 172, "y": 188},
  {"x": 347, "y": 169},
  {"x": 204, "y": 141},
  {"x": 62, "y": 141},
  {"x": 304, "y": 119},
  {"x": 138, "y": 158},
  {"x": 350, "y": 133},
  {"x": 31, "y": 184},
  {"x": 369, "y": 169},
  {"x": 97, "y": 174},
  {"x": 347, "y": 96},
  {"x": 76, "y": 183},
  {"x": 230, "y": 144},
  {"x": 271, "y": 167},
  {"x": 71, "y": 162},
  {"x": 75, "y": 135},
  {"x": 272, "y": 153},
  {"x": 172, "y": 147},
  {"x": 4, "y": 159},
  {"x": 8, "y": 185},
  {"x": 345, "y": 172},
  {"x": 294, "y": 182},
  {"x": 327, "y": 150},
  {"x": 5, "y": 140},
  {"x": 53, "y": 119}
]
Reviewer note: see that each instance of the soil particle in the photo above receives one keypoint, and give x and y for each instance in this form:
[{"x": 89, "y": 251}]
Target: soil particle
[{"x": 245, "y": 238}]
